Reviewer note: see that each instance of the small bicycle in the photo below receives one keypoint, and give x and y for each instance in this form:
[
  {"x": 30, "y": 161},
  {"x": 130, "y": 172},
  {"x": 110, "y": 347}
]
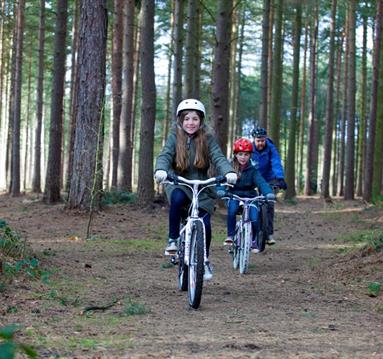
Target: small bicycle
[
  {"x": 191, "y": 255},
  {"x": 243, "y": 237}
]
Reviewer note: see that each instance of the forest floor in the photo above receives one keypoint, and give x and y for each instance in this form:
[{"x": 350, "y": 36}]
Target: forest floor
[{"x": 305, "y": 297}]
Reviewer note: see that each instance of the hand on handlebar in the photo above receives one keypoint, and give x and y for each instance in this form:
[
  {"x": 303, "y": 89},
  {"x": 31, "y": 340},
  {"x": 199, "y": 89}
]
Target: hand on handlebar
[
  {"x": 231, "y": 177},
  {"x": 160, "y": 176},
  {"x": 281, "y": 183}
]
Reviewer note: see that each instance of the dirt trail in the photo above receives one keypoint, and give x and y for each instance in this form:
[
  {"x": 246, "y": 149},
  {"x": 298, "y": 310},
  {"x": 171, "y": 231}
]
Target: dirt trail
[{"x": 300, "y": 299}]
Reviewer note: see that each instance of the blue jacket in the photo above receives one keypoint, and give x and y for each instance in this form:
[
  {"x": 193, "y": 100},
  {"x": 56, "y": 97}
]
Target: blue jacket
[
  {"x": 268, "y": 161},
  {"x": 250, "y": 178}
]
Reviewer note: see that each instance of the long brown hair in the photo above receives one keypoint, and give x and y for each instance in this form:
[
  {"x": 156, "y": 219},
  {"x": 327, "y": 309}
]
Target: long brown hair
[{"x": 201, "y": 159}]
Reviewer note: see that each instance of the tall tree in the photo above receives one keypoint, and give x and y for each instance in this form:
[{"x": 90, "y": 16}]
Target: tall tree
[
  {"x": 178, "y": 52},
  {"x": 264, "y": 63},
  {"x": 36, "y": 174},
  {"x": 351, "y": 89},
  {"x": 221, "y": 72},
  {"x": 367, "y": 188},
  {"x": 290, "y": 168},
  {"x": 73, "y": 92},
  {"x": 116, "y": 84},
  {"x": 15, "y": 167},
  {"x": 53, "y": 177},
  {"x": 86, "y": 178},
  {"x": 329, "y": 107},
  {"x": 148, "y": 107},
  {"x": 312, "y": 146},
  {"x": 276, "y": 82}
]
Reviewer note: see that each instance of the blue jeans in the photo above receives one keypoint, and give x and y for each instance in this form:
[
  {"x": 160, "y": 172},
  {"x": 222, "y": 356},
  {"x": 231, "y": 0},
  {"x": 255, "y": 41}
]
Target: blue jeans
[
  {"x": 178, "y": 201},
  {"x": 232, "y": 209}
]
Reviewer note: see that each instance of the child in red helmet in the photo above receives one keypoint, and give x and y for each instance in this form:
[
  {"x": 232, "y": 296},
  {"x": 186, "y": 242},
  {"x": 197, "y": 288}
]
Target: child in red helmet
[{"x": 248, "y": 179}]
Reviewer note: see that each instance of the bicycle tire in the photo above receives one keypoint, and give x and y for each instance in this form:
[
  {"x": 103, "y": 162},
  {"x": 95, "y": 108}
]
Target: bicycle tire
[
  {"x": 236, "y": 246},
  {"x": 182, "y": 267},
  {"x": 196, "y": 265},
  {"x": 263, "y": 228},
  {"x": 245, "y": 248}
]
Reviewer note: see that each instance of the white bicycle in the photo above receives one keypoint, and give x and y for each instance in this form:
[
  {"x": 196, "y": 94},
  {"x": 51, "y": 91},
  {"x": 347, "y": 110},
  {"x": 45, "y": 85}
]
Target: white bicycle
[{"x": 191, "y": 255}]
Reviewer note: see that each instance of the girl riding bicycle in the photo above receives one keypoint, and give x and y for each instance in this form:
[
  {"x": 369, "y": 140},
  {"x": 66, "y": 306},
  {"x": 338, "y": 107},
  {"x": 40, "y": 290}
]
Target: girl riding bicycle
[
  {"x": 248, "y": 179},
  {"x": 188, "y": 152}
]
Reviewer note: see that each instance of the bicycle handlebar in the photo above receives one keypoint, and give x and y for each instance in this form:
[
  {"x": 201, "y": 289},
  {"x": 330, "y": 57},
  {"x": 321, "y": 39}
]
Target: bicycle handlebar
[
  {"x": 247, "y": 199},
  {"x": 216, "y": 180}
]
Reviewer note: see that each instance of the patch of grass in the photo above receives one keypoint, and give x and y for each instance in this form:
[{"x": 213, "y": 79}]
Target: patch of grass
[
  {"x": 133, "y": 308},
  {"x": 117, "y": 197},
  {"x": 9, "y": 346},
  {"x": 374, "y": 289},
  {"x": 367, "y": 241},
  {"x": 291, "y": 202},
  {"x": 314, "y": 262},
  {"x": 125, "y": 245},
  {"x": 167, "y": 265}
]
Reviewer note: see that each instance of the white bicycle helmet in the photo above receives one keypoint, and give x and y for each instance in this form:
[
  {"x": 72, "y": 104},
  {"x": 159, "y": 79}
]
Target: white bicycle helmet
[{"x": 191, "y": 104}]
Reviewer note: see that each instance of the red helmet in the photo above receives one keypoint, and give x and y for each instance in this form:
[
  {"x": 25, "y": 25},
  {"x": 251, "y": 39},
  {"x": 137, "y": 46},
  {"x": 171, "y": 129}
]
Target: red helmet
[{"x": 242, "y": 145}]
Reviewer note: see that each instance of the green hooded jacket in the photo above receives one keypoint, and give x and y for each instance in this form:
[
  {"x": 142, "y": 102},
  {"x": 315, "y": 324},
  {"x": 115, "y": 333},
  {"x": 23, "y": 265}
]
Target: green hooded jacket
[{"x": 166, "y": 161}]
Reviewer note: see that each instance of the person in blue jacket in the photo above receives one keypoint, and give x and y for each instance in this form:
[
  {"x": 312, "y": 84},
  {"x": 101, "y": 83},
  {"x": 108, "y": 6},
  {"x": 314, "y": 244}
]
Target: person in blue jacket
[
  {"x": 266, "y": 158},
  {"x": 249, "y": 178}
]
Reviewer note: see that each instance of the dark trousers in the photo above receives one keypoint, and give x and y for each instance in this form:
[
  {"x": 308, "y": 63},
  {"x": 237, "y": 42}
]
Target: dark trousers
[
  {"x": 270, "y": 217},
  {"x": 178, "y": 201}
]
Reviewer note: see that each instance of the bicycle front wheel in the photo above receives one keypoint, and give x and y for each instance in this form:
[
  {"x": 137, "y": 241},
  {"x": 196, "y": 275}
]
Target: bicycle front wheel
[
  {"x": 182, "y": 267},
  {"x": 236, "y": 246},
  {"x": 263, "y": 228},
  {"x": 196, "y": 265},
  {"x": 247, "y": 235}
]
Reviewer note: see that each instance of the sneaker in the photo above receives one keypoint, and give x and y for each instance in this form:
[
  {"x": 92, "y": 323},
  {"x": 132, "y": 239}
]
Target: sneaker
[
  {"x": 171, "y": 248},
  {"x": 270, "y": 241},
  {"x": 228, "y": 241},
  {"x": 255, "y": 250},
  {"x": 207, "y": 274}
]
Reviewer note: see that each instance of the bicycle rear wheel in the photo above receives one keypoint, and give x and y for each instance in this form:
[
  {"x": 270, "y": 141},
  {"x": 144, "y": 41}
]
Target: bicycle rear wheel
[
  {"x": 263, "y": 228},
  {"x": 247, "y": 235},
  {"x": 196, "y": 265},
  {"x": 182, "y": 267},
  {"x": 236, "y": 246}
]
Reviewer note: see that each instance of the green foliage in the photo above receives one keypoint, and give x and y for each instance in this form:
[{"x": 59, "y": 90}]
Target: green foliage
[
  {"x": 374, "y": 289},
  {"x": 115, "y": 197},
  {"x": 15, "y": 258},
  {"x": 134, "y": 308},
  {"x": 368, "y": 242},
  {"x": 9, "y": 347}
]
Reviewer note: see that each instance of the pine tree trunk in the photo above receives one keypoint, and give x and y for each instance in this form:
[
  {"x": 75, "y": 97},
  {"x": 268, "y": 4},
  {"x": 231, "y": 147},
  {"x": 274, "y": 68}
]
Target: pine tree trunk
[
  {"x": 124, "y": 177},
  {"x": 178, "y": 53},
  {"x": 53, "y": 176},
  {"x": 312, "y": 155},
  {"x": 329, "y": 107},
  {"x": 86, "y": 178},
  {"x": 148, "y": 109},
  {"x": 221, "y": 72},
  {"x": 118, "y": 30},
  {"x": 15, "y": 166},
  {"x": 276, "y": 82},
  {"x": 264, "y": 63},
  {"x": 367, "y": 188},
  {"x": 36, "y": 177},
  {"x": 290, "y": 167}
]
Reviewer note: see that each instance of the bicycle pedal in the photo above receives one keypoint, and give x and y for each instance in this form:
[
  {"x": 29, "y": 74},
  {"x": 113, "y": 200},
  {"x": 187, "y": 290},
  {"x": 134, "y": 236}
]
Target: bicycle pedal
[{"x": 174, "y": 260}]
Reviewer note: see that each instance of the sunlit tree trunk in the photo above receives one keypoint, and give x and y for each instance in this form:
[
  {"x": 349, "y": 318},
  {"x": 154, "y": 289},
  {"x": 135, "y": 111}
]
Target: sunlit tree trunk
[
  {"x": 148, "y": 108},
  {"x": 53, "y": 176}
]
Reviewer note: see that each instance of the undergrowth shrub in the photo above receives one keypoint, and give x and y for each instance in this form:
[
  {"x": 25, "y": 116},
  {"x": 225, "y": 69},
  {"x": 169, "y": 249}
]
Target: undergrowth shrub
[
  {"x": 16, "y": 258},
  {"x": 9, "y": 346},
  {"x": 367, "y": 242},
  {"x": 116, "y": 197}
]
